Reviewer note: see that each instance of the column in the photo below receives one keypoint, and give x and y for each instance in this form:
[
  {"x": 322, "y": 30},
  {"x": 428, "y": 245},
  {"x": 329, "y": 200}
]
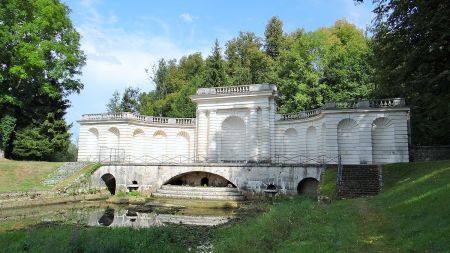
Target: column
[
  {"x": 252, "y": 134},
  {"x": 202, "y": 129},
  {"x": 265, "y": 134},
  {"x": 212, "y": 144}
]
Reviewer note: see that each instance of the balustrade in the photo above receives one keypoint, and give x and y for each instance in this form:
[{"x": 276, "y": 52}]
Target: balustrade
[{"x": 127, "y": 115}]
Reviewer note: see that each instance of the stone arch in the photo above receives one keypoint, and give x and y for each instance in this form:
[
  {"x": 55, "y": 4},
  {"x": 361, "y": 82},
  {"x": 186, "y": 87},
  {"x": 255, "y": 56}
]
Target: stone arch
[
  {"x": 138, "y": 145},
  {"x": 290, "y": 144},
  {"x": 159, "y": 146},
  {"x": 348, "y": 141},
  {"x": 311, "y": 143},
  {"x": 199, "y": 178},
  {"x": 233, "y": 137},
  {"x": 308, "y": 186},
  {"x": 110, "y": 182},
  {"x": 383, "y": 141},
  {"x": 92, "y": 144},
  {"x": 182, "y": 146}
]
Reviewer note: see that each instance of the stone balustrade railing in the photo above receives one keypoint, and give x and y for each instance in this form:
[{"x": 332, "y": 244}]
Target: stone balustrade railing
[
  {"x": 131, "y": 116},
  {"x": 366, "y": 103},
  {"x": 237, "y": 89},
  {"x": 299, "y": 115},
  {"x": 361, "y": 104}
]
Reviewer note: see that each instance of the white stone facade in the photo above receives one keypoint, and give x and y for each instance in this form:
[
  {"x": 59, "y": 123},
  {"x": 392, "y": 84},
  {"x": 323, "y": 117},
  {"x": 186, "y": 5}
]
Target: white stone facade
[{"x": 240, "y": 124}]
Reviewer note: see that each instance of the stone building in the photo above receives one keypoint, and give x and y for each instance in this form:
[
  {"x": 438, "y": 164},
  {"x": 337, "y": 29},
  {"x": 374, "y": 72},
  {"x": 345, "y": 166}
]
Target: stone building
[{"x": 240, "y": 124}]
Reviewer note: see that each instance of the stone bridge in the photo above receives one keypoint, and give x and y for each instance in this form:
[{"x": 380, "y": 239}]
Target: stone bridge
[{"x": 248, "y": 178}]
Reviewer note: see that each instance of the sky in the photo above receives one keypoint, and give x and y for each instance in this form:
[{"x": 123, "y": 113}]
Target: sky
[{"x": 122, "y": 39}]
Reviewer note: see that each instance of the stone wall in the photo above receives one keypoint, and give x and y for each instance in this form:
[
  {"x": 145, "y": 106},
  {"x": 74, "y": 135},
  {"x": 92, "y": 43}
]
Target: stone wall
[
  {"x": 429, "y": 153},
  {"x": 246, "y": 177}
]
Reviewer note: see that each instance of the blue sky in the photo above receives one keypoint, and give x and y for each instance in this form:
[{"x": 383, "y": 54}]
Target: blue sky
[{"x": 123, "y": 38}]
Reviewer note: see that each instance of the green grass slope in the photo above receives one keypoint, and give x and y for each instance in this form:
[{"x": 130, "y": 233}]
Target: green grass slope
[
  {"x": 24, "y": 175},
  {"x": 412, "y": 214}
]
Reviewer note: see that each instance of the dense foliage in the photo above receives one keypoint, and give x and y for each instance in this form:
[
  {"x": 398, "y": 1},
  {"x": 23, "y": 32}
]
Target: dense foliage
[
  {"x": 309, "y": 68},
  {"x": 411, "y": 46},
  {"x": 40, "y": 58}
]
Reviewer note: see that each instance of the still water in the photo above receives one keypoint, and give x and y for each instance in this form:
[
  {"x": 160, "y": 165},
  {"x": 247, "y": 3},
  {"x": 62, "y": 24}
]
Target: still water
[{"x": 100, "y": 213}]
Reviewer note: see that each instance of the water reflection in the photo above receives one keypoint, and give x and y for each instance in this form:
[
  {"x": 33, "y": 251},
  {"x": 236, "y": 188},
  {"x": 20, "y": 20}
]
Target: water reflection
[
  {"x": 128, "y": 218},
  {"x": 107, "y": 215}
]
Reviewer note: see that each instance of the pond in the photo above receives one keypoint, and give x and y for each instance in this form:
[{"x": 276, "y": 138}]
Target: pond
[{"x": 100, "y": 213}]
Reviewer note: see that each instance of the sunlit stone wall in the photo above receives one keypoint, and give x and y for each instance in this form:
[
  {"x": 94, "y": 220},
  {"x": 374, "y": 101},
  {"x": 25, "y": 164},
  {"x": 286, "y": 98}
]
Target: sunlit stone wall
[{"x": 239, "y": 124}]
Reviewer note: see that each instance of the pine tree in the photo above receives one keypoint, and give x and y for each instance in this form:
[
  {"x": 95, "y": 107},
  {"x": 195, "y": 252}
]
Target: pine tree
[
  {"x": 215, "y": 70},
  {"x": 274, "y": 37}
]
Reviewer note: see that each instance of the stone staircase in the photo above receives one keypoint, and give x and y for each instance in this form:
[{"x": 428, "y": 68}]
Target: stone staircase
[
  {"x": 360, "y": 181},
  {"x": 206, "y": 193},
  {"x": 66, "y": 170}
]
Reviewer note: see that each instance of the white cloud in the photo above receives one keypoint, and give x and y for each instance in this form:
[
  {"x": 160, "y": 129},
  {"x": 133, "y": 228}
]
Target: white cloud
[
  {"x": 116, "y": 57},
  {"x": 187, "y": 17}
]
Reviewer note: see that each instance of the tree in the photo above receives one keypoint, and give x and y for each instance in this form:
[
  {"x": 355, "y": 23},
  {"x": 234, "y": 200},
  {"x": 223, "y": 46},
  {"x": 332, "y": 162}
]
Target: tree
[
  {"x": 329, "y": 64},
  {"x": 7, "y": 126},
  {"x": 40, "y": 59},
  {"x": 40, "y": 141},
  {"x": 130, "y": 100},
  {"x": 274, "y": 37},
  {"x": 215, "y": 71},
  {"x": 412, "y": 59},
  {"x": 114, "y": 103}
]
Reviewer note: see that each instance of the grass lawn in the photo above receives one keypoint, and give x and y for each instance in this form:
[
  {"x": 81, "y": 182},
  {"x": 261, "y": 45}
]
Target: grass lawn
[
  {"x": 412, "y": 214},
  {"x": 24, "y": 175}
]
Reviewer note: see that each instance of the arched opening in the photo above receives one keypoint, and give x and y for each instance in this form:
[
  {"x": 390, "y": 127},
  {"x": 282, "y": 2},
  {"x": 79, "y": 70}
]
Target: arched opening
[
  {"x": 92, "y": 145},
  {"x": 290, "y": 145},
  {"x": 308, "y": 186},
  {"x": 181, "y": 147},
  {"x": 107, "y": 218},
  {"x": 138, "y": 145},
  {"x": 110, "y": 182},
  {"x": 200, "y": 178},
  {"x": 233, "y": 138},
  {"x": 348, "y": 141},
  {"x": 311, "y": 144},
  {"x": 271, "y": 187},
  {"x": 159, "y": 144},
  {"x": 383, "y": 141},
  {"x": 204, "y": 181},
  {"x": 112, "y": 152}
]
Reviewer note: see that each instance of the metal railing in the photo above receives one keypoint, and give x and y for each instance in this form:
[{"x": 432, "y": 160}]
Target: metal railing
[{"x": 118, "y": 156}]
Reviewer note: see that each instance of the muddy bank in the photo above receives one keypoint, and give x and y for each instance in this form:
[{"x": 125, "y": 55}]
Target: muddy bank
[{"x": 29, "y": 199}]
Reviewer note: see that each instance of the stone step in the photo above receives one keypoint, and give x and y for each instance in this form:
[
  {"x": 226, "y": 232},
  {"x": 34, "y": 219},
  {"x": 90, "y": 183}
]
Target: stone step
[
  {"x": 178, "y": 196},
  {"x": 198, "y": 189},
  {"x": 204, "y": 193},
  {"x": 192, "y": 220}
]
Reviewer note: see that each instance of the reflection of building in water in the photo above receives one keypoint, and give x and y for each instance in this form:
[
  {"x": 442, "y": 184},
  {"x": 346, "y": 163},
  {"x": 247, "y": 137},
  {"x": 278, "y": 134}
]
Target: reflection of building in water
[{"x": 125, "y": 218}]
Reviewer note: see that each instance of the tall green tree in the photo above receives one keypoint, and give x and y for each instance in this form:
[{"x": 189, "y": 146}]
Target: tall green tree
[
  {"x": 273, "y": 37},
  {"x": 411, "y": 46},
  {"x": 40, "y": 60},
  {"x": 215, "y": 70},
  {"x": 114, "y": 103}
]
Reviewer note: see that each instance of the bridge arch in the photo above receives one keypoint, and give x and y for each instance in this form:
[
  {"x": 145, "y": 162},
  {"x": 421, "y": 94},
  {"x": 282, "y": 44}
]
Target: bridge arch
[
  {"x": 199, "y": 178},
  {"x": 110, "y": 182},
  {"x": 308, "y": 186}
]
